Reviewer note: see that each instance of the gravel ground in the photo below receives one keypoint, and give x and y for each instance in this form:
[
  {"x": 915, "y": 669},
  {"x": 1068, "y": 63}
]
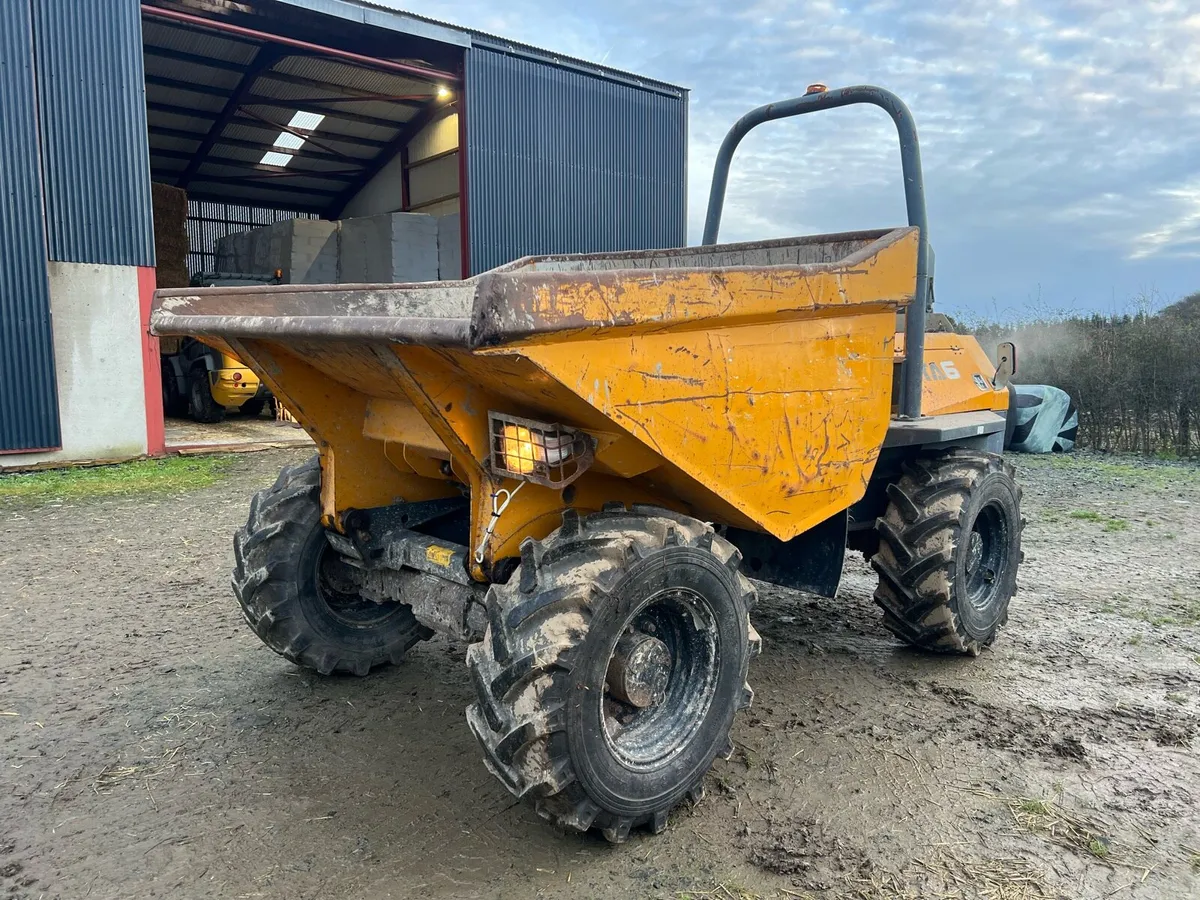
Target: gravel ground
[{"x": 153, "y": 748}]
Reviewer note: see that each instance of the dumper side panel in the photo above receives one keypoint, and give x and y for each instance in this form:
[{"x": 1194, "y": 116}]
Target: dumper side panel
[{"x": 781, "y": 420}]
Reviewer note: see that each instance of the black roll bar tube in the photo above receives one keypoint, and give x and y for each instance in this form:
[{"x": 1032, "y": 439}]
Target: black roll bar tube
[{"x": 914, "y": 197}]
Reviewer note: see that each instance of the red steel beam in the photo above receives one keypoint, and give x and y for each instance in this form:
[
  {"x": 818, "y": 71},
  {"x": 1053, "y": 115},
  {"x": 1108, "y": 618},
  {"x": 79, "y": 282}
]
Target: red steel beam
[{"x": 390, "y": 65}]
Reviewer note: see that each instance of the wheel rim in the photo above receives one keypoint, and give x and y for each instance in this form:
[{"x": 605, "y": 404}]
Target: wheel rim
[
  {"x": 645, "y": 736},
  {"x": 337, "y": 591},
  {"x": 986, "y": 556}
]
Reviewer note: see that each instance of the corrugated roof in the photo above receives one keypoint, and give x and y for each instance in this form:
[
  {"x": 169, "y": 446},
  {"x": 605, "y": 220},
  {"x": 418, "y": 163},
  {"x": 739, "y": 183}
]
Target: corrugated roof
[
  {"x": 192, "y": 74},
  {"x": 383, "y": 13}
]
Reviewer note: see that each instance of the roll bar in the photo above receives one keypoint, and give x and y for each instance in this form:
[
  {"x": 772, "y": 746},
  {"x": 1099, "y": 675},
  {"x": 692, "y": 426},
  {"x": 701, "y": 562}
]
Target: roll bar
[{"x": 819, "y": 98}]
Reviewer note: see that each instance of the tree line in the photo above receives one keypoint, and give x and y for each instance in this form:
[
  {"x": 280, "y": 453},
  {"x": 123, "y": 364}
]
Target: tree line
[{"x": 1135, "y": 378}]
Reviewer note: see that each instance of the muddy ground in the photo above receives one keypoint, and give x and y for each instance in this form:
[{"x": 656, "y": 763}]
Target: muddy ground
[{"x": 151, "y": 747}]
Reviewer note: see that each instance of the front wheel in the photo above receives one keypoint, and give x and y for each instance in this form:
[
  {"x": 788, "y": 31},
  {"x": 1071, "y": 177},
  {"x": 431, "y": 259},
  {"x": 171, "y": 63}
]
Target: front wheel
[
  {"x": 949, "y": 547},
  {"x": 613, "y": 664},
  {"x": 297, "y": 594}
]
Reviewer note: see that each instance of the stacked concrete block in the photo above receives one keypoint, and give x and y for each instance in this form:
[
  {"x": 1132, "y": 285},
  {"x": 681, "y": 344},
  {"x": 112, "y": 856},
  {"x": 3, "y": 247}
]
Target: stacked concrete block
[
  {"x": 304, "y": 250},
  {"x": 449, "y": 248},
  {"x": 313, "y": 257},
  {"x": 394, "y": 248}
]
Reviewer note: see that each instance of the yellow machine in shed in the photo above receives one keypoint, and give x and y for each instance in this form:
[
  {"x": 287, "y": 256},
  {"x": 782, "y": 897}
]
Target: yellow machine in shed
[{"x": 573, "y": 463}]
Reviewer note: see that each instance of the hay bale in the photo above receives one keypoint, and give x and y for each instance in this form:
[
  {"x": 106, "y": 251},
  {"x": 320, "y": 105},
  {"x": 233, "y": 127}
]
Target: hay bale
[{"x": 170, "y": 235}]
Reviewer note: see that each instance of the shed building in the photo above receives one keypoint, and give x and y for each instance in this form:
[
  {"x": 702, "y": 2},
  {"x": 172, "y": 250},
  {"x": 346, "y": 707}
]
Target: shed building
[{"x": 271, "y": 110}]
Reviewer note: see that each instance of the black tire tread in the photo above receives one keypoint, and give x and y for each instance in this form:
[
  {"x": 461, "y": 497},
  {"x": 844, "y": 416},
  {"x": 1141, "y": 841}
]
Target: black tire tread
[
  {"x": 207, "y": 411},
  {"x": 918, "y": 538},
  {"x": 521, "y": 667},
  {"x": 266, "y": 552}
]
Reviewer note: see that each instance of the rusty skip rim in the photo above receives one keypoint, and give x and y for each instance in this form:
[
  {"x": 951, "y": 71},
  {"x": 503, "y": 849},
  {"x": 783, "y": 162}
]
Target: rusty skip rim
[
  {"x": 494, "y": 306},
  {"x": 394, "y": 329}
]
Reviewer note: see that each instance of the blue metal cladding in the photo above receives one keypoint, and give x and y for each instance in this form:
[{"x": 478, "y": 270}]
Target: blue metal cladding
[
  {"x": 561, "y": 161},
  {"x": 28, "y": 394},
  {"x": 92, "y": 112}
]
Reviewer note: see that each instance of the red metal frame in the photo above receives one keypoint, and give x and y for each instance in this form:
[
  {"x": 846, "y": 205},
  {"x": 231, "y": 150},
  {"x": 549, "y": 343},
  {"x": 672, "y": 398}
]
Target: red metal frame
[
  {"x": 156, "y": 438},
  {"x": 373, "y": 62}
]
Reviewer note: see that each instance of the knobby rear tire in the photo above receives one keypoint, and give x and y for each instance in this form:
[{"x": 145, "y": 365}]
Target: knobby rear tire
[
  {"x": 948, "y": 509},
  {"x": 278, "y": 582}
]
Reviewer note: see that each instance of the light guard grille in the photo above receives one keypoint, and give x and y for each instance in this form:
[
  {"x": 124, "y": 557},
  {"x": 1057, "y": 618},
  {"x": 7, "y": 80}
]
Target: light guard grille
[{"x": 549, "y": 455}]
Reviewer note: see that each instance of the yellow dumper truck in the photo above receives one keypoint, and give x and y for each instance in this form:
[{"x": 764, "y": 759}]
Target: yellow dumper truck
[{"x": 577, "y": 464}]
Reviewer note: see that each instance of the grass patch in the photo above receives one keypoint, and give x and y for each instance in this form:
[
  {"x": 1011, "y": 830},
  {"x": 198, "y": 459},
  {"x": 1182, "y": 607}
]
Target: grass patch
[
  {"x": 1034, "y": 807},
  {"x": 1111, "y": 523},
  {"x": 1045, "y": 817},
  {"x": 1132, "y": 468},
  {"x": 1179, "y": 611},
  {"x": 175, "y": 473}
]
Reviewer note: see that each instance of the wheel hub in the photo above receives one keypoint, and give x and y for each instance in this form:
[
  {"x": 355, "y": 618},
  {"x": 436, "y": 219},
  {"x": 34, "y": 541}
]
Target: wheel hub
[
  {"x": 974, "y": 551},
  {"x": 986, "y": 556},
  {"x": 639, "y": 670}
]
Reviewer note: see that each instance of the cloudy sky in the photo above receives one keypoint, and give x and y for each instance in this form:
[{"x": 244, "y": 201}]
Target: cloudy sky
[{"x": 1061, "y": 138}]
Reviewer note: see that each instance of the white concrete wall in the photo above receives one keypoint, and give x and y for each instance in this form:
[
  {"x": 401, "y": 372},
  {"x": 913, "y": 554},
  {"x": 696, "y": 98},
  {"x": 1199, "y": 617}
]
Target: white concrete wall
[
  {"x": 431, "y": 181},
  {"x": 98, "y": 359},
  {"x": 438, "y": 178},
  {"x": 435, "y": 138},
  {"x": 383, "y": 193}
]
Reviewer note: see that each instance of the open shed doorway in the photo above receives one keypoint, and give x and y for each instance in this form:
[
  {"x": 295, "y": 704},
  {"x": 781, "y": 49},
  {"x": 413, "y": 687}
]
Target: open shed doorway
[{"x": 277, "y": 136}]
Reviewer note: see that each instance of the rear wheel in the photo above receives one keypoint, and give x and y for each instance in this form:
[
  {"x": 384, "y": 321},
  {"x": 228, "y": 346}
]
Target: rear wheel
[
  {"x": 201, "y": 405},
  {"x": 298, "y": 595},
  {"x": 173, "y": 404},
  {"x": 949, "y": 547},
  {"x": 612, "y": 667}
]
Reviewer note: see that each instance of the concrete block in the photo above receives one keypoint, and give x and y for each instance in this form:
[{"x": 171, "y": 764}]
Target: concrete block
[
  {"x": 305, "y": 250},
  {"x": 449, "y": 248},
  {"x": 388, "y": 249},
  {"x": 312, "y": 252}
]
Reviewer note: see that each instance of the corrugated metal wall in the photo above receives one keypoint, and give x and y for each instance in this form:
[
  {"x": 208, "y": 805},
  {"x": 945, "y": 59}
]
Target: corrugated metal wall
[
  {"x": 560, "y": 161},
  {"x": 28, "y": 394},
  {"x": 92, "y": 108}
]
